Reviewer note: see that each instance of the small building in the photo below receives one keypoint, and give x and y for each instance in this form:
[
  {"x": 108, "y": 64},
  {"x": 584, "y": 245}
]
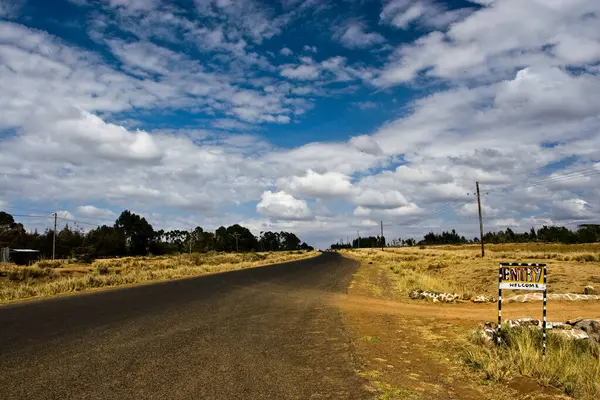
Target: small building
[{"x": 19, "y": 256}]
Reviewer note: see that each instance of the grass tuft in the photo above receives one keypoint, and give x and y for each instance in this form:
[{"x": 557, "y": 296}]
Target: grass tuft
[{"x": 571, "y": 365}]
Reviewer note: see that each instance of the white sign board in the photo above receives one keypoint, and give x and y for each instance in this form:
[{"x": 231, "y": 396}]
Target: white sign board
[{"x": 522, "y": 278}]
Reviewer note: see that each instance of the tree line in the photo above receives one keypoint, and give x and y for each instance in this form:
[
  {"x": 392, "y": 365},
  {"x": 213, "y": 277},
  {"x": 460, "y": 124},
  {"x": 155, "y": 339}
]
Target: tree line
[
  {"x": 363, "y": 242},
  {"x": 133, "y": 235},
  {"x": 586, "y": 233}
]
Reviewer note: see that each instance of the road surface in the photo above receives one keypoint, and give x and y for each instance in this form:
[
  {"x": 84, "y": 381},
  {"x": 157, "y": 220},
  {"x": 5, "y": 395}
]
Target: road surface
[{"x": 263, "y": 333}]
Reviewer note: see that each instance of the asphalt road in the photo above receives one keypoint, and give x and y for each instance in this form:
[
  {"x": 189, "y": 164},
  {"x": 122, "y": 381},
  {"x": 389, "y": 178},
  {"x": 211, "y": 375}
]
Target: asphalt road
[{"x": 262, "y": 333}]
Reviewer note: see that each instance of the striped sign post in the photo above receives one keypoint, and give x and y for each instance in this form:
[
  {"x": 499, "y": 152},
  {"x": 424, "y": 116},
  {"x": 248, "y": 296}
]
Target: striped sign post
[{"x": 522, "y": 276}]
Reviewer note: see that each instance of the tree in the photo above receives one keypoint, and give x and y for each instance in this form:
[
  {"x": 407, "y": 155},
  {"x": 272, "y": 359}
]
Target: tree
[
  {"x": 269, "y": 241},
  {"x": 137, "y": 231},
  {"x": 289, "y": 241},
  {"x": 304, "y": 246},
  {"x": 245, "y": 239},
  {"x": 106, "y": 241}
]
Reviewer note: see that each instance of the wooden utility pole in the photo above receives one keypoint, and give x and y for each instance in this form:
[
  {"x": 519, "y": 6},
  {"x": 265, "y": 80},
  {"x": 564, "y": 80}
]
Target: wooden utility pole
[
  {"x": 236, "y": 236},
  {"x": 382, "y": 240},
  {"x": 191, "y": 241},
  {"x": 358, "y": 240},
  {"x": 480, "y": 220},
  {"x": 54, "y": 239}
]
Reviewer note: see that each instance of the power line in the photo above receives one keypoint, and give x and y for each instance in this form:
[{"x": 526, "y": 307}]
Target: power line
[
  {"x": 30, "y": 216},
  {"x": 583, "y": 172},
  {"x": 78, "y": 221}
]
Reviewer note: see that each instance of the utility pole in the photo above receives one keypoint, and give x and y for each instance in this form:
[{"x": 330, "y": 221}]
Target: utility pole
[
  {"x": 480, "y": 220},
  {"x": 191, "y": 241},
  {"x": 236, "y": 236},
  {"x": 382, "y": 240},
  {"x": 358, "y": 240},
  {"x": 348, "y": 241},
  {"x": 54, "y": 239}
]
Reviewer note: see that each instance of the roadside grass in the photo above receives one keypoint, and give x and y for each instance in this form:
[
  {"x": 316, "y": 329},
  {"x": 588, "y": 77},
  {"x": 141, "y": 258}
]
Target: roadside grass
[
  {"x": 570, "y": 365},
  {"x": 461, "y": 270},
  {"x": 44, "y": 279}
]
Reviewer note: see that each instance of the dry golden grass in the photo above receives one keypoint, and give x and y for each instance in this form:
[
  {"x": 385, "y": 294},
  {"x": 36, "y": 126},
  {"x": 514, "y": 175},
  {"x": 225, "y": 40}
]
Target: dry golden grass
[
  {"x": 460, "y": 269},
  {"x": 571, "y": 365},
  {"x": 48, "y": 278}
]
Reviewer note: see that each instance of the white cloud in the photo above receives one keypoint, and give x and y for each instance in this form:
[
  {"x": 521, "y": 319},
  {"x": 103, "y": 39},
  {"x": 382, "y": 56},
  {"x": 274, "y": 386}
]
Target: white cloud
[
  {"x": 313, "y": 184},
  {"x": 135, "y": 5},
  {"x": 495, "y": 40},
  {"x": 286, "y": 52},
  {"x": 281, "y": 205},
  {"x": 354, "y": 35},
  {"x": 470, "y": 210},
  {"x": 402, "y": 13},
  {"x": 370, "y": 198},
  {"x": 312, "y": 49},
  {"x": 571, "y": 208},
  {"x": 302, "y": 72},
  {"x": 366, "y": 144},
  {"x": 231, "y": 124},
  {"x": 64, "y": 214},
  {"x": 95, "y": 212},
  {"x": 410, "y": 210}
]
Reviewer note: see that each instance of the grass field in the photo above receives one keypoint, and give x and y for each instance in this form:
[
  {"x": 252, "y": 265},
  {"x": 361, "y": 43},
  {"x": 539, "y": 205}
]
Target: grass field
[
  {"x": 572, "y": 367},
  {"x": 460, "y": 269},
  {"x": 50, "y": 278}
]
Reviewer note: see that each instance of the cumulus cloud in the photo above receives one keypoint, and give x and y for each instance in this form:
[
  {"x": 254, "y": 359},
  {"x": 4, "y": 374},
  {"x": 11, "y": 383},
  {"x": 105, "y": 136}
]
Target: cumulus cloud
[
  {"x": 313, "y": 184},
  {"x": 354, "y": 35},
  {"x": 282, "y": 205},
  {"x": 286, "y": 52}
]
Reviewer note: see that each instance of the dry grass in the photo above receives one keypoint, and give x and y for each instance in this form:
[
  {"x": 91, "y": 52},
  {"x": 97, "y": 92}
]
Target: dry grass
[
  {"x": 47, "y": 278},
  {"x": 460, "y": 269},
  {"x": 571, "y": 365}
]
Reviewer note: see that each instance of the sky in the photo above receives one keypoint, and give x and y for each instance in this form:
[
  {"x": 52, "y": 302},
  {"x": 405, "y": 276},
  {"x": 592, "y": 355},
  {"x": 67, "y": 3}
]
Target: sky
[{"x": 318, "y": 117}]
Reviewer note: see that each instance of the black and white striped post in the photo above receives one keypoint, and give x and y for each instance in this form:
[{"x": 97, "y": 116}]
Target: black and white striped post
[
  {"x": 499, "y": 304},
  {"x": 544, "y": 315}
]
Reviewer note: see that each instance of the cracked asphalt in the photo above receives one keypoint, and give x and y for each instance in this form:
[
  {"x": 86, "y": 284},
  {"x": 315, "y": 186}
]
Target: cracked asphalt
[{"x": 263, "y": 333}]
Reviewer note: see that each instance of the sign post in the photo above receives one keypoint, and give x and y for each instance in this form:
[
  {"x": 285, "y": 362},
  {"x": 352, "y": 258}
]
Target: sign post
[{"x": 522, "y": 276}]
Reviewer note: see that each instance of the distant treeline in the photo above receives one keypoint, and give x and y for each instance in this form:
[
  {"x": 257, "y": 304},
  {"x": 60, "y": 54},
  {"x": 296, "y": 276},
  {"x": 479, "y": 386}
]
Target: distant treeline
[
  {"x": 588, "y": 233},
  {"x": 132, "y": 235},
  {"x": 366, "y": 242}
]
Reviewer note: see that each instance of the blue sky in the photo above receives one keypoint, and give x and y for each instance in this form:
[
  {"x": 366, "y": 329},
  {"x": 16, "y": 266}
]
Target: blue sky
[{"x": 319, "y": 117}]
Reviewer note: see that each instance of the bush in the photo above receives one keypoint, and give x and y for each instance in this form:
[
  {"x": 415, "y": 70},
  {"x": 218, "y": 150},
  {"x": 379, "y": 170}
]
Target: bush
[
  {"x": 50, "y": 263},
  {"x": 20, "y": 274},
  {"x": 102, "y": 269}
]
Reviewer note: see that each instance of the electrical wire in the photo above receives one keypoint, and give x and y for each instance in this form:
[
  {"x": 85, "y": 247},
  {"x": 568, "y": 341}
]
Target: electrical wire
[{"x": 583, "y": 172}]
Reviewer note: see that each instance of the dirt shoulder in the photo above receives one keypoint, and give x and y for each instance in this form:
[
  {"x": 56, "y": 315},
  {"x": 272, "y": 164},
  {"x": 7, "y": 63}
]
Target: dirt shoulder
[{"x": 412, "y": 350}]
